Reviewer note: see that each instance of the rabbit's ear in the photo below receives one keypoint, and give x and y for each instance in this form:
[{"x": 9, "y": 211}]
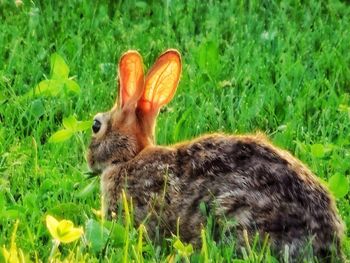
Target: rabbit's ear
[
  {"x": 161, "y": 82},
  {"x": 131, "y": 78}
]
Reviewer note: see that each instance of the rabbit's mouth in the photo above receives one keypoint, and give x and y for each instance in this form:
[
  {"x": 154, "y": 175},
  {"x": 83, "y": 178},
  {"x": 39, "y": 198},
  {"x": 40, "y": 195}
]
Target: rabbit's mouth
[{"x": 96, "y": 167}]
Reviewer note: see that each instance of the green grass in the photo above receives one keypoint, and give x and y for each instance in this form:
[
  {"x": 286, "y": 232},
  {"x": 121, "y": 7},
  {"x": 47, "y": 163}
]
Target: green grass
[{"x": 282, "y": 68}]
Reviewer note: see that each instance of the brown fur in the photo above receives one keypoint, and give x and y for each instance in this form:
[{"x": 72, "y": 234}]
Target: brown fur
[{"x": 244, "y": 178}]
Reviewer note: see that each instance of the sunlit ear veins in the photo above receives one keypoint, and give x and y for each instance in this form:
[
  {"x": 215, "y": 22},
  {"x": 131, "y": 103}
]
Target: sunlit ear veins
[
  {"x": 158, "y": 88},
  {"x": 129, "y": 85},
  {"x": 162, "y": 86}
]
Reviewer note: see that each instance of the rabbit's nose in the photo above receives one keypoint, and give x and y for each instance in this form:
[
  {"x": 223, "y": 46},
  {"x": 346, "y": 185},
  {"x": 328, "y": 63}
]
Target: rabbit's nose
[{"x": 96, "y": 126}]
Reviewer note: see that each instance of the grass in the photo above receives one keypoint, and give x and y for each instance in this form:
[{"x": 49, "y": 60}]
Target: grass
[{"x": 280, "y": 67}]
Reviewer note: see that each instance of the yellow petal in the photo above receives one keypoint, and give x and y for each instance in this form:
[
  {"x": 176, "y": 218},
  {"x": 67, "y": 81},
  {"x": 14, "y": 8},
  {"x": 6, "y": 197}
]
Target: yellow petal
[
  {"x": 72, "y": 235},
  {"x": 52, "y": 224},
  {"x": 64, "y": 227}
]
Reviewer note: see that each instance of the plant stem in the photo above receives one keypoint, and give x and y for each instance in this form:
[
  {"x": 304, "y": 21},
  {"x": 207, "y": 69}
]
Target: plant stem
[
  {"x": 81, "y": 141},
  {"x": 55, "y": 244}
]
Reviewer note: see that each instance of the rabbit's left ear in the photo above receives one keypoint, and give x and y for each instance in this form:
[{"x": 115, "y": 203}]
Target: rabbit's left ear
[
  {"x": 161, "y": 82},
  {"x": 131, "y": 78}
]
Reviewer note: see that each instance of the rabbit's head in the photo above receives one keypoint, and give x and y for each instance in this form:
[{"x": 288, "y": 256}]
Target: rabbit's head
[{"x": 120, "y": 134}]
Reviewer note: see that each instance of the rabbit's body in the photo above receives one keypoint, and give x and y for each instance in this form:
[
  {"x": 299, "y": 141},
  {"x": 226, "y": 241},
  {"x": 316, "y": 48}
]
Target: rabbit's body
[{"x": 243, "y": 179}]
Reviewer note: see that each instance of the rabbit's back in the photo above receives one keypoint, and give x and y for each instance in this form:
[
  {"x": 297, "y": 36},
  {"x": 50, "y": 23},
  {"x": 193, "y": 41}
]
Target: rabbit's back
[
  {"x": 241, "y": 178},
  {"x": 262, "y": 188}
]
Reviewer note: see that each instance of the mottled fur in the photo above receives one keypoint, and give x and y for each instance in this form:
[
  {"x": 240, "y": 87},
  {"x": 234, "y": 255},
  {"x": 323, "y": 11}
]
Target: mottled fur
[{"x": 244, "y": 178}]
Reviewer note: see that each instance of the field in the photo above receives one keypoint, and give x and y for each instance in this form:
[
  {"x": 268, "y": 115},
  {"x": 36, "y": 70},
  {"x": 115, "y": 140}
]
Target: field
[{"x": 278, "y": 67}]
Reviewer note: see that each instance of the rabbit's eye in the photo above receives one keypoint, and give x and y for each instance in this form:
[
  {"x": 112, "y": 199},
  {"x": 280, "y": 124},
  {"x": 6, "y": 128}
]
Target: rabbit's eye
[{"x": 96, "y": 126}]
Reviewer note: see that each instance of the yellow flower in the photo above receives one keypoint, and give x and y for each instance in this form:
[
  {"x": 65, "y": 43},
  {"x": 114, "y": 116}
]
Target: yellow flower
[
  {"x": 64, "y": 230},
  {"x": 14, "y": 254}
]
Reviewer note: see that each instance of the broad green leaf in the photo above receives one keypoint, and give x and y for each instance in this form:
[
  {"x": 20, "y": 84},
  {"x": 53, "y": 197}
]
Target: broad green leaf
[
  {"x": 117, "y": 234},
  {"x": 37, "y": 108},
  {"x": 317, "y": 150},
  {"x": 17, "y": 210},
  {"x": 96, "y": 235},
  {"x": 83, "y": 125},
  {"x": 59, "y": 68},
  {"x": 70, "y": 123},
  {"x": 72, "y": 85},
  {"x": 10, "y": 214},
  {"x": 48, "y": 87},
  {"x": 339, "y": 185},
  {"x": 68, "y": 210},
  {"x": 61, "y": 136}
]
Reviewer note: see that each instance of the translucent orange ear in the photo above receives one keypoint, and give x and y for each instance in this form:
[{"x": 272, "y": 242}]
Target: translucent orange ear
[
  {"x": 161, "y": 81},
  {"x": 131, "y": 78}
]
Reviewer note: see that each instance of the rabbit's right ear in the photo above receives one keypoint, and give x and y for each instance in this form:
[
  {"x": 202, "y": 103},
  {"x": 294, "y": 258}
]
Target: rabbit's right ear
[
  {"x": 131, "y": 79},
  {"x": 161, "y": 82},
  {"x": 160, "y": 86}
]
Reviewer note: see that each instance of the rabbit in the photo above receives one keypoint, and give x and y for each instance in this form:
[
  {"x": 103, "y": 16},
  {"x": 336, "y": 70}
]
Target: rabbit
[{"x": 243, "y": 178}]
